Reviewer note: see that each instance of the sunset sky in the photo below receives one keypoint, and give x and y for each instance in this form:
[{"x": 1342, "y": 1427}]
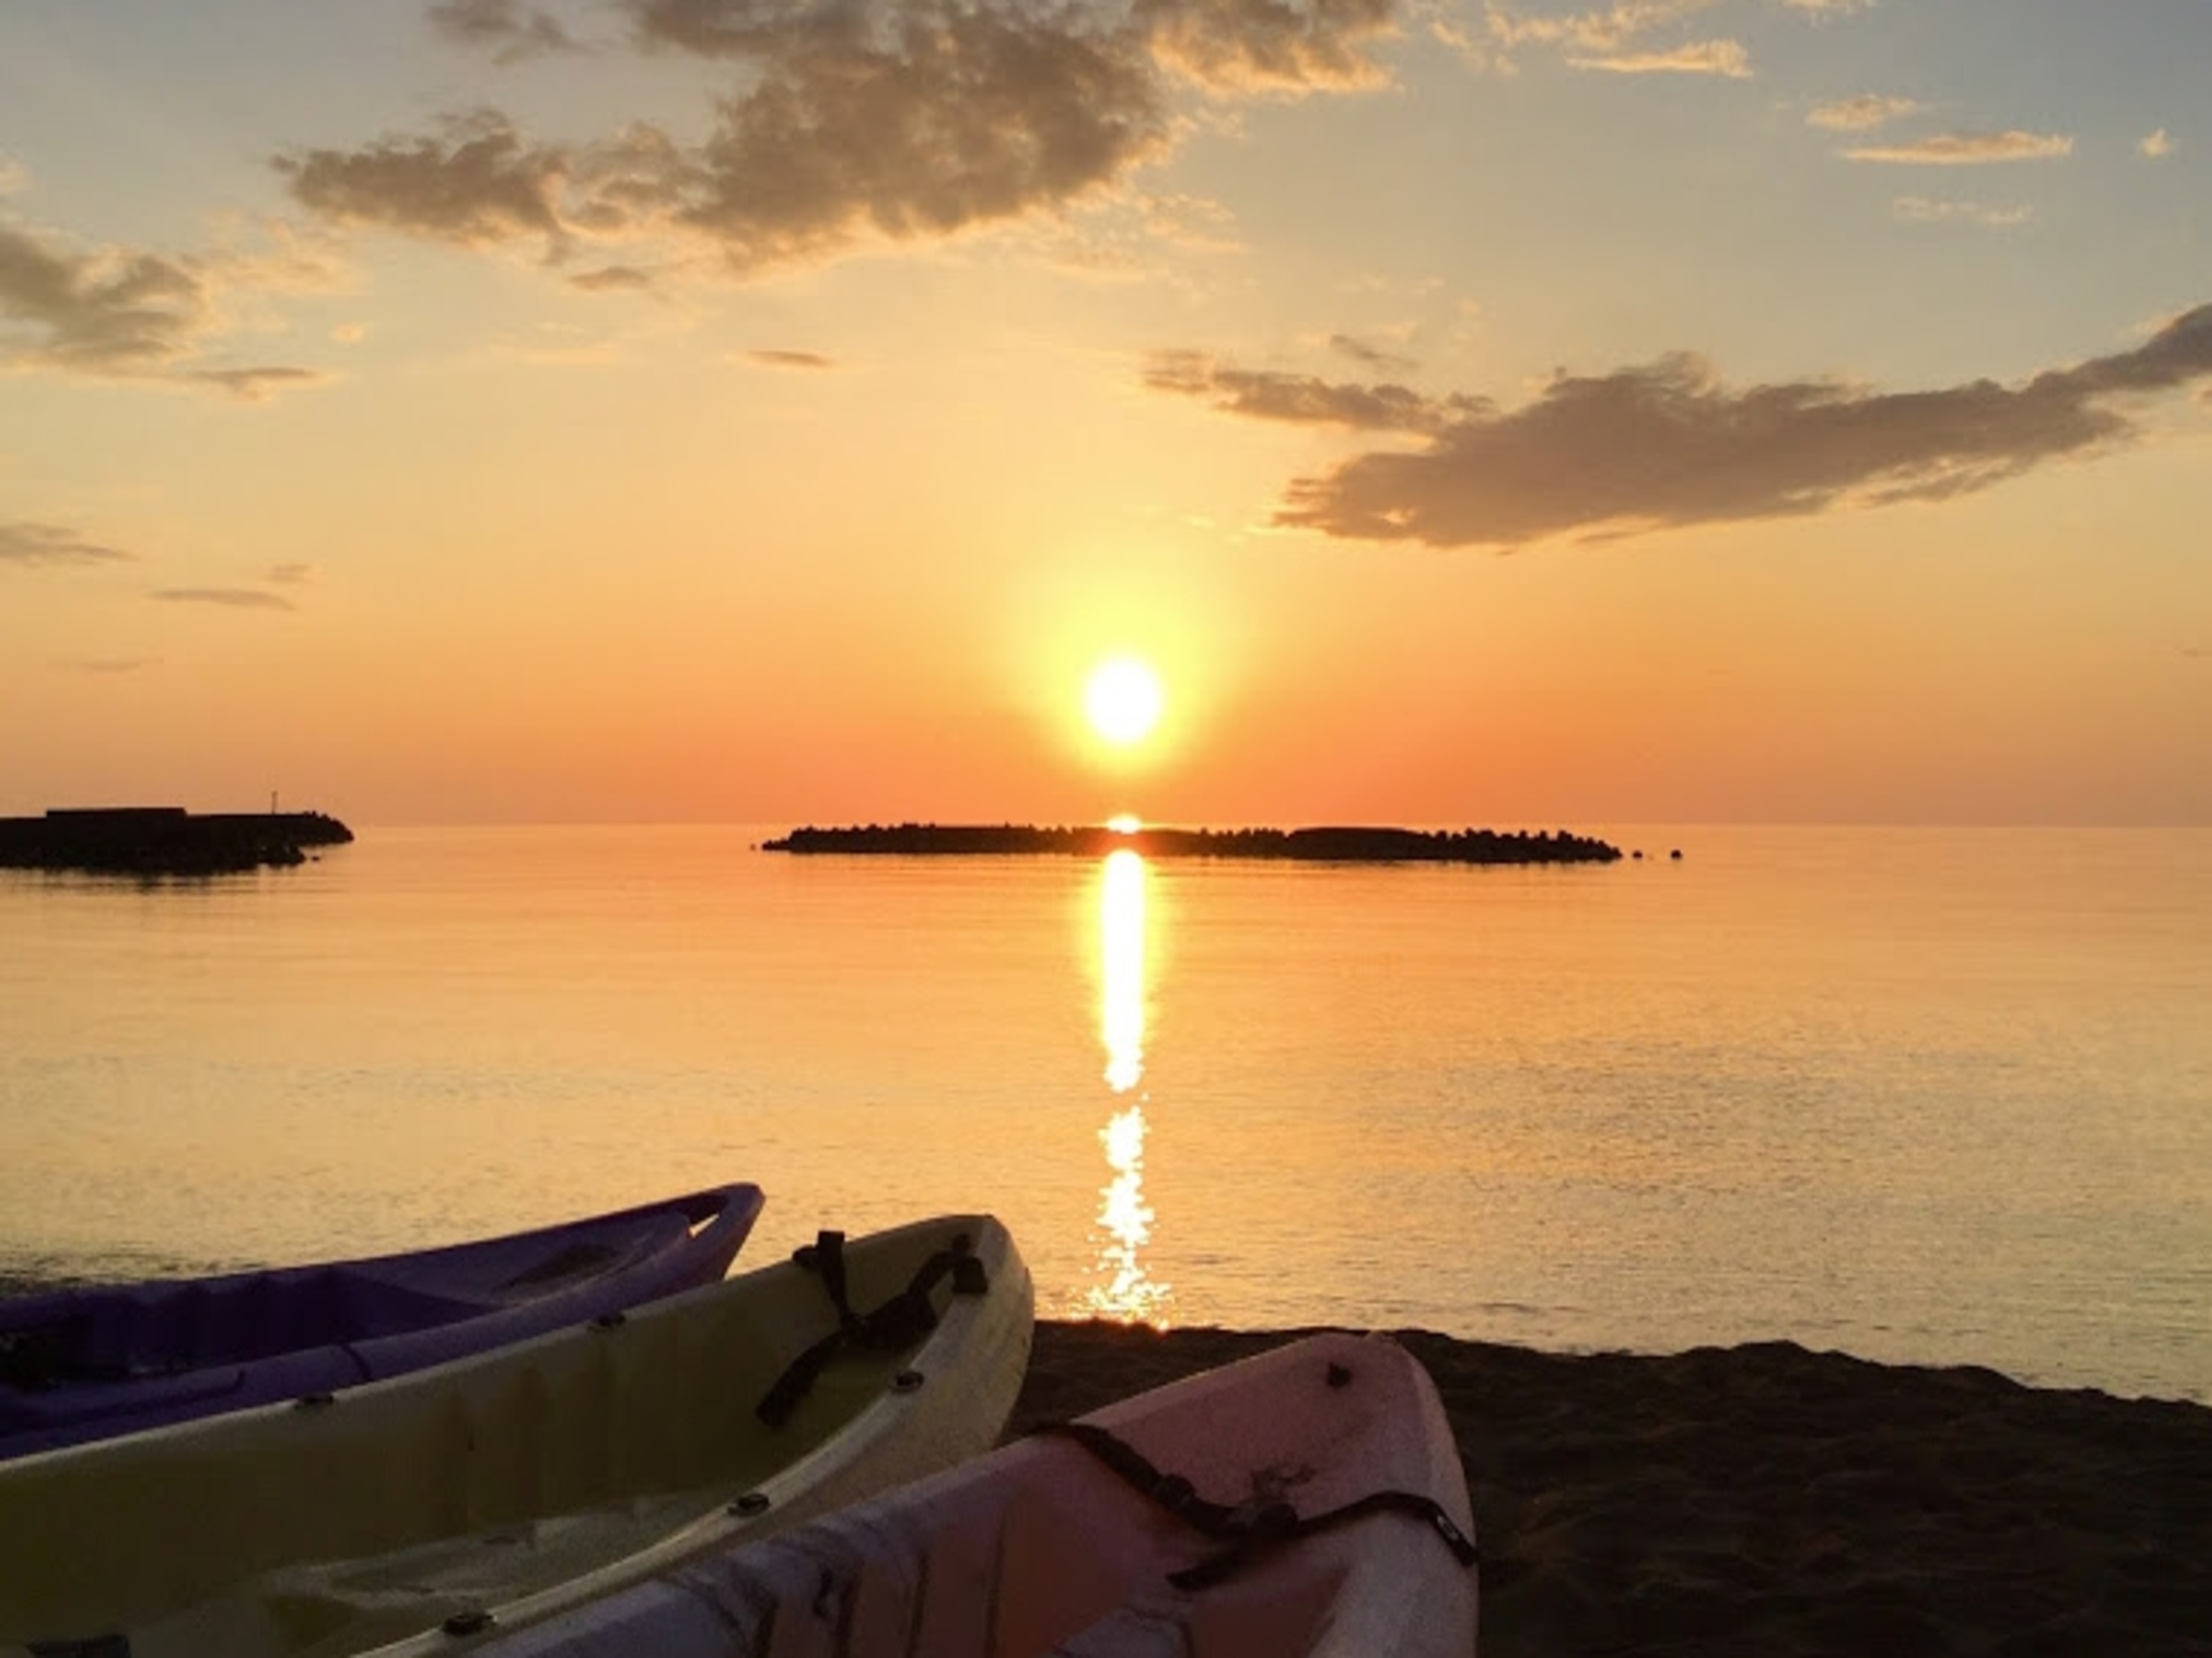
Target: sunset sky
[{"x": 772, "y": 411}]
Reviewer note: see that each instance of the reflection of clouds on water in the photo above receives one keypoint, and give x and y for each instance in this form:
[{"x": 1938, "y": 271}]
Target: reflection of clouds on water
[{"x": 1125, "y": 1219}]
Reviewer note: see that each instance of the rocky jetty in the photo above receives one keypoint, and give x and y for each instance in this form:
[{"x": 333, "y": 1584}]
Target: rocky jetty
[
  {"x": 1349, "y": 845},
  {"x": 163, "y": 840}
]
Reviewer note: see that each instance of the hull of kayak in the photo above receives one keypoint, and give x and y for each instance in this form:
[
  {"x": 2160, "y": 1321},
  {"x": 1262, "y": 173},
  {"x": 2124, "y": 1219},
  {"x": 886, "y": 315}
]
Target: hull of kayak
[
  {"x": 91, "y": 1364},
  {"x": 592, "y": 1456},
  {"x": 1328, "y": 1514}
]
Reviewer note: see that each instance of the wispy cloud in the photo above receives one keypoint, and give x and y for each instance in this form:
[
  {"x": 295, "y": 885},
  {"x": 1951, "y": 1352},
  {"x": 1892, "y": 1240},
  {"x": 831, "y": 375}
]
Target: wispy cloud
[
  {"x": 613, "y": 277},
  {"x": 1920, "y": 210},
  {"x": 293, "y": 575},
  {"x": 847, "y": 124},
  {"x": 775, "y": 359},
  {"x": 251, "y": 385},
  {"x": 1968, "y": 148},
  {"x": 1618, "y": 38},
  {"x": 508, "y": 29},
  {"x": 103, "y": 664},
  {"x": 1860, "y": 114},
  {"x": 1668, "y": 444},
  {"x": 2155, "y": 146},
  {"x": 1373, "y": 356},
  {"x": 1722, "y": 57},
  {"x": 24, "y": 543},
  {"x": 1607, "y": 30},
  {"x": 1265, "y": 394},
  {"x": 240, "y": 599}
]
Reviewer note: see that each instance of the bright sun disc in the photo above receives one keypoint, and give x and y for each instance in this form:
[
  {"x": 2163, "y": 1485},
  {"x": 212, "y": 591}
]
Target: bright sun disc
[{"x": 1123, "y": 700}]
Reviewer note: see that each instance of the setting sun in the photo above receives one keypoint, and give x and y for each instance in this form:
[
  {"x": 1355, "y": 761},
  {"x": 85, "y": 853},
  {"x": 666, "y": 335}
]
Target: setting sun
[{"x": 1123, "y": 700}]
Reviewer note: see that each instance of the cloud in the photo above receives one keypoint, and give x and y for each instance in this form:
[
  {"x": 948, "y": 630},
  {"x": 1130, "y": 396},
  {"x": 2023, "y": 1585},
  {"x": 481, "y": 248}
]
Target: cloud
[
  {"x": 1605, "y": 31},
  {"x": 121, "y": 313},
  {"x": 1666, "y": 444},
  {"x": 1920, "y": 210},
  {"x": 849, "y": 123},
  {"x": 1268, "y": 46},
  {"x": 774, "y": 359},
  {"x": 111, "y": 310},
  {"x": 1614, "y": 38},
  {"x": 971, "y": 119},
  {"x": 1722, "y": 57},
  {"x": 103, "y": 664},
  {"x": 251, "y": 385},
  {"x": 607, "y": 278},
  {"x": 24, "y": 543},
  {"x": 1373, "y": 356},
  {"x": 476, "y": 181},
  {"x": 1229, "y": 46},
  {"x": 508, "y": 30},
  {"x": 290, "y": 574},
  {"x": 241, "y": 598},
  {"x": 1859, "y": 114},
  {"x": 2155, "y": 146},
  {"x": 1267, "y": 395},
  {"x": 1968, "y": 148}
]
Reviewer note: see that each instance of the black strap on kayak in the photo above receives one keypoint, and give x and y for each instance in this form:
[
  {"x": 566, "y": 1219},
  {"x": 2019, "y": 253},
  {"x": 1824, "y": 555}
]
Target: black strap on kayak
[
  {"x": 97, "y": 1646},
  {"x": 900, "y": 1322},
  {"x": 1251, "y": 1530}
]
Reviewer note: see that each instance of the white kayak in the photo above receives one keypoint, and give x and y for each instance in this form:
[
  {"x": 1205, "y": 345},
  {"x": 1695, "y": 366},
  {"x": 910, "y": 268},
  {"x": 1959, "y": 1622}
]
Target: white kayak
[
  {"x": 1306, "y": 1501},
  {"x": 532, "y": 1476}
]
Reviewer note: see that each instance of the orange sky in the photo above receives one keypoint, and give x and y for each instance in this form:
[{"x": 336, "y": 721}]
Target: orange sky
[{"x": 635, "y": 409}]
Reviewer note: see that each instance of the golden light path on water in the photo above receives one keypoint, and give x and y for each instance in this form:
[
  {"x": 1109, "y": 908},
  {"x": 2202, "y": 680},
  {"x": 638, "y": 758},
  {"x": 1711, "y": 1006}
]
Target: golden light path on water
[{"x": 1126, "y": 1291}]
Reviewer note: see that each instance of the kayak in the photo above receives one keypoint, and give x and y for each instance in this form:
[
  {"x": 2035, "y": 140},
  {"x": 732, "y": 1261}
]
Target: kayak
[
  {"x": 564, "y": 1466},
  {"x": 89, "y": 1364},
  {"x": 1308, "y": 1500}
]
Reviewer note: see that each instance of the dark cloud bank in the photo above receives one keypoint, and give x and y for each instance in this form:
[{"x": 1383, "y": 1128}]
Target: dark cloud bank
[{"x": 1666, "y": 444}]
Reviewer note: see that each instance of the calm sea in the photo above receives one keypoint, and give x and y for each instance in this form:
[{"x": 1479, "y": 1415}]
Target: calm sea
[{"x": 1933, "y": 1096}]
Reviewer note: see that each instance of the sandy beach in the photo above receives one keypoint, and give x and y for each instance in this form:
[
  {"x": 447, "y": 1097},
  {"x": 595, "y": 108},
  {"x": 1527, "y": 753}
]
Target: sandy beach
[{"x": 1769, "y": 1500}]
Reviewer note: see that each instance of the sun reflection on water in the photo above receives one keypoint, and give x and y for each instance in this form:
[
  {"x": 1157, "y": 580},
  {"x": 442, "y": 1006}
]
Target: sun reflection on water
[{"x": 1126, "y": 1291}]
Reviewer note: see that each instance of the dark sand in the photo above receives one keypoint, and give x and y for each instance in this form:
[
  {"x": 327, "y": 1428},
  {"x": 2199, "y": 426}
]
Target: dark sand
[{"x": 1769, "y": 1500}]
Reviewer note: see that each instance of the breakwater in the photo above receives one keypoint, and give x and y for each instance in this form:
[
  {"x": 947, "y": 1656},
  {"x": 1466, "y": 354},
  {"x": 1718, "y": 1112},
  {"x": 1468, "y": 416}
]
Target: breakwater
[
  {"x": 1342, "y": 845},
  {"x": 164, "y": 839}
]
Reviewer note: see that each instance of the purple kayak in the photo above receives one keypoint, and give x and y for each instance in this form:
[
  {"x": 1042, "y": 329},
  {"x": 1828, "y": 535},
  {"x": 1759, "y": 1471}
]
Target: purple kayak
[{"x": 90, "y": 1363}]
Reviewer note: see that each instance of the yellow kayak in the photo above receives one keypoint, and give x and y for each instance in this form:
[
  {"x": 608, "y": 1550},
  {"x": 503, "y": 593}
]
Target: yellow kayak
[{"x": 551, "y": 1471}]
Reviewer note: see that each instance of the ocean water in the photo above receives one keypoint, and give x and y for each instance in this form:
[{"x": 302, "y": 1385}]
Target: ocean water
[{"x": 1927, "y": 1096}]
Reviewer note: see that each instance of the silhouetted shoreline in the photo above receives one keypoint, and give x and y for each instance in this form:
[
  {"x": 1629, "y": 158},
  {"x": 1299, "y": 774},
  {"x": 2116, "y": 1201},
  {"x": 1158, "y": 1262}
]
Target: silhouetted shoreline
[
  {"x": 164, "y": 839},
  {"x": 1321, "y": 845}
]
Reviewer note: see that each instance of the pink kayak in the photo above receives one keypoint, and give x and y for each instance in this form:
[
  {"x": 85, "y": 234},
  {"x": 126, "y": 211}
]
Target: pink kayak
[{"x": 1308, "y": 1500}]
